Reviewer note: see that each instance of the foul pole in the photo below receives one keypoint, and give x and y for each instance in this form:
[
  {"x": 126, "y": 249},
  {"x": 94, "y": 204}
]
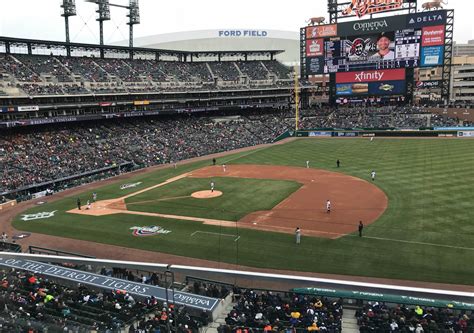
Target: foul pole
[{"x": 297, "y": 115}]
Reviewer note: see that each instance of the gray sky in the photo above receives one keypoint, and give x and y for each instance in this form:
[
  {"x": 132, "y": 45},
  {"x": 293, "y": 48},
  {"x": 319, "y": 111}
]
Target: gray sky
[{"x": 40, "y": 19}]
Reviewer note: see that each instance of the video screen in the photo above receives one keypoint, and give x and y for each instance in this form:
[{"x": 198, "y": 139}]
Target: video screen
[{"x": 398, "y": 49}]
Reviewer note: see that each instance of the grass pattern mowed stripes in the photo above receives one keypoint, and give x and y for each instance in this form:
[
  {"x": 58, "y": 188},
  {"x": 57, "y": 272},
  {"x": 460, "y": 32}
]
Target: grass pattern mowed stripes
[
  {"x": 240, "y": 197},
  {"x": 425, "y": 234}
]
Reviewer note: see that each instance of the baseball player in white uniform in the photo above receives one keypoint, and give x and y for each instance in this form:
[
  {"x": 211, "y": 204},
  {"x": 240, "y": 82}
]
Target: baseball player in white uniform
[
  {"x": 212, "y": 186},
  {"x": 328, "y": 206},
  {"x": 88, "y": 205},
  {"x": 298, "y": 235},
  {"x": 223, "y": 167},
  {"x": 372, "y": 174},
  {"x": 307, "y": 164}
]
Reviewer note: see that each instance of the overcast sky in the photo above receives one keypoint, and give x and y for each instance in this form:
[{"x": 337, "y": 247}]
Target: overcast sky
[{"x": 40, "y": 19}]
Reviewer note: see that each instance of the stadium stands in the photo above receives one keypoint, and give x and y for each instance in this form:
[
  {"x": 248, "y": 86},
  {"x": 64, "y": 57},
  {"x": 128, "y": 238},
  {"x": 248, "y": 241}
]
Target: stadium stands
[
  {"x": 269, "y": 311},
  {"x": 37, "y": 155},
  {"x": 38, "y": 75},
  {"x": 375, "y": 317}
]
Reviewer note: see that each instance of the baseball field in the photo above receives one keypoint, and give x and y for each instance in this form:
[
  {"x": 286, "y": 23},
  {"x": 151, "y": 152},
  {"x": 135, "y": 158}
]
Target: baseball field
[{"x": 418, "y": 213}]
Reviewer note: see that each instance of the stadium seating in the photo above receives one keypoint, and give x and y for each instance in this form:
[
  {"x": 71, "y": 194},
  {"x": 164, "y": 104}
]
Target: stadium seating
[
  {"x": 38, "y": 75},
  {"x": 37, "y": 155},
  {"x": 269, "y": 311},
  {"x": 375, "y": 317}
]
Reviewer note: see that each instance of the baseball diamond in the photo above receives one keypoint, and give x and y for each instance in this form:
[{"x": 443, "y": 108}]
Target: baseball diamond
[{"x": 406, "y": 211}]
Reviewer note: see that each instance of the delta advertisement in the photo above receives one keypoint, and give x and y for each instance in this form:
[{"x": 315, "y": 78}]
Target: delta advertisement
[{"x": 424, "y": 19}]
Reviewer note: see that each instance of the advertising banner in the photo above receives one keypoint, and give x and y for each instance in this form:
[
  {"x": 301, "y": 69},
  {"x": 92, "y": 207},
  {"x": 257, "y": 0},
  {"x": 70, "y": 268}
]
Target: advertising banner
[
  {"x": 7, "y": 109},
  {"x": 432, "y": 36},
  {"x": 344, "y": 89},
  {"x": 374, "y": 26},
  {"x": 141, "y": 102},
  {"x": 371, "y": 88},
  {"x": 315, "y": 47},
  {"x": 387, "y": 88},
  {"x": 466, "y": 134},
  {"x": 319, "y": 134},
  {"x": 432, "y": 56},
  {"x": 111, "y": 283},
  {"x": 28, "y": 108},
  {"x": 362, "y": 7},
  {"x": 427, "y": 84},
  {"x": 318, "y": 31},
  {"x": 314, "y": 65},
  {"x": 371, "y": 76},
  {"x": 425, "y": 19}
]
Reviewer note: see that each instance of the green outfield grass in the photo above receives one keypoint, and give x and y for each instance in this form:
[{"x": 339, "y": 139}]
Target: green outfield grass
[
  {"x": 426, "y": 233},
  {"x": 231, "y": 206}
]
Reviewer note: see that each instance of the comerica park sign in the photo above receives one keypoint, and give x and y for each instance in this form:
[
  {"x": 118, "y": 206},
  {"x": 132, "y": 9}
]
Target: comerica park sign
[{"x": 365, "y": 7}]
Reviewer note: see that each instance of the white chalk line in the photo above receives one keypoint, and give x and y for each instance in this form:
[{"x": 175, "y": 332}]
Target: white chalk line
[
  {"x": 414, "y": 242},
  {"x": 215, "y": 233}
]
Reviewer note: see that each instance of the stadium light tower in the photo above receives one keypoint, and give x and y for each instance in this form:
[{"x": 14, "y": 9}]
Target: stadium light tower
[
  {"x": 134, "y": 18},
  {"x": 104, "y": 15},
  {"x": 68, "y": 9}
]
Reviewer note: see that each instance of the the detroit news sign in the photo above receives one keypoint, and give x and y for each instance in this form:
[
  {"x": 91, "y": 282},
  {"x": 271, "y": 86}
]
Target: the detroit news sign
[{"x": 106, "y": 282}]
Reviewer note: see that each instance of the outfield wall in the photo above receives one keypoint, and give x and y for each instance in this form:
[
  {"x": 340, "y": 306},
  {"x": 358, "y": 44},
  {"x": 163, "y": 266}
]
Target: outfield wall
[{"x": 464, "y": 132}]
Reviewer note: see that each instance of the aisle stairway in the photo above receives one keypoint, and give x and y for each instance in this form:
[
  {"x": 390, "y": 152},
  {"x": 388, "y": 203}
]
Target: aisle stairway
[{"x": 349, "y": 322}]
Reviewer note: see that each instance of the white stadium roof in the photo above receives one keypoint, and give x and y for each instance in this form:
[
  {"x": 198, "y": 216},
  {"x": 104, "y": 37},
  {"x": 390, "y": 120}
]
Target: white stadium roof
[{"x": 226, "y": 40}]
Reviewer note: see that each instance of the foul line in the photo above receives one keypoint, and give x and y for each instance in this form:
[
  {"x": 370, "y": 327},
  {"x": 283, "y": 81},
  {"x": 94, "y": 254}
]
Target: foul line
[
  {"x": 413, "y": 242},
  {"x": 215, "y": 233}
]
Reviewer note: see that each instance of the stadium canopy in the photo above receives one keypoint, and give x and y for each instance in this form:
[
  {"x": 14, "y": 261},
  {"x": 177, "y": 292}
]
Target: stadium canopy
[{"x": 9, "y": 44}]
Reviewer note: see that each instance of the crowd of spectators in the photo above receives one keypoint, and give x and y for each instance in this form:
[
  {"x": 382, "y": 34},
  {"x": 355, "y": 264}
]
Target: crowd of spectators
[
  {"x": 16, "y": 68},
  {"x": 270, "y": 312},
  {"x": 46, "y": 75},
  {"x": 254, "y": 70},
  {"x": 376, "y": 317},
  {"x": 46, "y": 65},
  {"x": 34, "y": 301},
  {"x": 36, "y": 155}
]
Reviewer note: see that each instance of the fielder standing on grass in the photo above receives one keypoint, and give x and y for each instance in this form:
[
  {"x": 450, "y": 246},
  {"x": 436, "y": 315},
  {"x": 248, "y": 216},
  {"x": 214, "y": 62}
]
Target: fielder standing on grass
[
  {"x": 307, "y": 164},
  {"x": 372, "y": 174},
  {"x": 298, "y": 235}
]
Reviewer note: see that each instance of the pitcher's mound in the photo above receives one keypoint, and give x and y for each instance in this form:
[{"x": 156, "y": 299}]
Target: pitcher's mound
[{"x": 206, "y": 194}]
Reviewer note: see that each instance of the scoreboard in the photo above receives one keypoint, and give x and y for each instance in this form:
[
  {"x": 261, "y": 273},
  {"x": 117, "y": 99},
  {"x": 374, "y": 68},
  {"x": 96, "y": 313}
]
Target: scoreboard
[{"x": 393, "y": 42}]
